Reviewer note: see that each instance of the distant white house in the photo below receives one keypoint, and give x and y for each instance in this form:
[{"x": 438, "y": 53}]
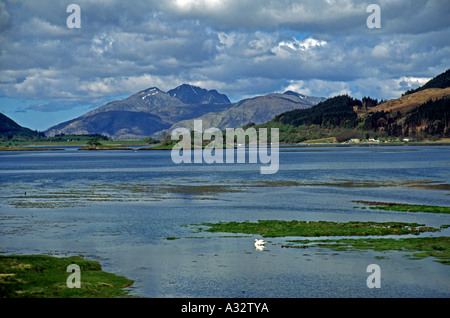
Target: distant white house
[{"x": 407, "y": 139}]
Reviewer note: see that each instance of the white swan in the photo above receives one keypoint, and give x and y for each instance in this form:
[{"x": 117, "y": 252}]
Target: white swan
[{"x": 259, "y": 242}]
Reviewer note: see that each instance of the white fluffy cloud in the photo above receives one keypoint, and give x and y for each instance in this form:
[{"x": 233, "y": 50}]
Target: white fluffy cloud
[
  {"x": 240, "y": 47},
  {"x": 286, "y": 48}
]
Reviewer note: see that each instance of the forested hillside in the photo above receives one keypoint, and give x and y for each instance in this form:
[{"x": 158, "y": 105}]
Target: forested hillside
[
  {"x": 9, "y": 129},
  {"x": 334, "y": 112},
  {"x": 422, "y": 114}
]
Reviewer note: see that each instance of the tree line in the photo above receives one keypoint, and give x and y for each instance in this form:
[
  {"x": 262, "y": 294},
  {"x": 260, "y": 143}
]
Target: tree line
[{"x": 337, "y": 117}]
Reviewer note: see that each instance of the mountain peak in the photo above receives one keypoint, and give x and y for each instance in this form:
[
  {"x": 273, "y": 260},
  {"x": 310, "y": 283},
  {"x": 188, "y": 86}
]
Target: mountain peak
[
  {"x": 154, "y": 88},
  {"x": 311, "y": 100},
  {"x": 294, "y": 93},
  {"x": 191, "y": 94},
  {"x": 152, "y": 91}
]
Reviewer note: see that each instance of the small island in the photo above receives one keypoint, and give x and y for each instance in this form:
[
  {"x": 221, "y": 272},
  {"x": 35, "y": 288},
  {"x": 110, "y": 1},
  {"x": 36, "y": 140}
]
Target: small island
[
  {"x": 95, "y": 144},
  {"x": 104, "y": 148},
  {"x": 355, "y": 235}
]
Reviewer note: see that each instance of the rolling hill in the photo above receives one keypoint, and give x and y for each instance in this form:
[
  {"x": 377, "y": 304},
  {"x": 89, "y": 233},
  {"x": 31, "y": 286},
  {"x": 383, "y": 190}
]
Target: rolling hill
[
  {"x": 9, "y": 128},
  {"x": 421, "y": 114},
  {"x": 408, "y": 102}
]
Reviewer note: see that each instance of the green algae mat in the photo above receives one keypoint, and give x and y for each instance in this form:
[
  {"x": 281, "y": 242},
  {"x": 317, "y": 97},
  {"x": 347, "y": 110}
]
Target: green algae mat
[
  {"x": 42, "y": 276},
  {"x": 421, "y": 247}
]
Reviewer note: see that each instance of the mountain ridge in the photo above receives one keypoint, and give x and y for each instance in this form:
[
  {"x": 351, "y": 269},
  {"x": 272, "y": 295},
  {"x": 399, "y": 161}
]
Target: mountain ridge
[
  {"x": 191, "y": 94},
  {"x": 163, "y": 111},
  {"x": 440, "y": 81},
  {"x": 422, "y": 114},
  {"x": 9, "y": 127},
  {"x": 136, "y": 117},
  {"x": 255, "y": 110}
]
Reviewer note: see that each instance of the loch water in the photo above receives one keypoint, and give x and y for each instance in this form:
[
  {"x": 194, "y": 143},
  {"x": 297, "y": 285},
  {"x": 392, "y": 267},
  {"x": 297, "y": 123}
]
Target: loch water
[{"x": 138, "y": 214}]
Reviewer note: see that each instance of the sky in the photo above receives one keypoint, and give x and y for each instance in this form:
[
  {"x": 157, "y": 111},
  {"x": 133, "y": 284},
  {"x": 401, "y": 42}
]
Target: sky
[{"x": 50, "y": 72}]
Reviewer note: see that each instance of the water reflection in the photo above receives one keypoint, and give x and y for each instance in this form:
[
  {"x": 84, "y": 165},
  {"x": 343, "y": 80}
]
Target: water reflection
[{"x": 259, "y": 247}]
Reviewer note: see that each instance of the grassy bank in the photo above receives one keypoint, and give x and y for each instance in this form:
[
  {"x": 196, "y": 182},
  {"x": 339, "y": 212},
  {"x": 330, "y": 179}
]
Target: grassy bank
[
  {"x": 42, "y": 276},
  {"x": 277, "y": 228},
  {"x": 436, "y": 247},
  {"x": 158, "y": 147},
  {"x": 322, "y": 142},
  {"x": 405, "y": 207},
  {"x": 71, "y": 143},
  {"x": 26, "y": 149}
]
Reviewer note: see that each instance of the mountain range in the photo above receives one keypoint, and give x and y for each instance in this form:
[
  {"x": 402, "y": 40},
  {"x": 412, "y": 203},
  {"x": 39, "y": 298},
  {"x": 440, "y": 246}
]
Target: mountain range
[
  {"x": 421, "y": 113},
  {"x": 144, "y": 113},
  {"x": 152, "y": 112}
]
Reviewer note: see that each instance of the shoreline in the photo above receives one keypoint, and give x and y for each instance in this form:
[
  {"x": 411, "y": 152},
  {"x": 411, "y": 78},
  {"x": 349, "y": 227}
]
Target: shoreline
[
  {"x": 104, "y": 148},
  {"x": 301, "y": 145},
  {"x": 28, "y": 149}
]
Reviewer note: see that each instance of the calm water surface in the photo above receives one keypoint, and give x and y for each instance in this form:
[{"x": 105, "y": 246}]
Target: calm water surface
[{"x": 120, "y": 208}]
